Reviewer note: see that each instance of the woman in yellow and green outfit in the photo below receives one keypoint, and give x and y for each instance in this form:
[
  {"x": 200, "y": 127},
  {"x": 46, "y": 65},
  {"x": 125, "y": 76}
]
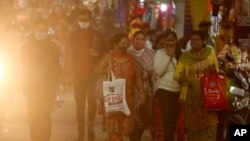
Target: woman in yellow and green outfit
[{"x": 201, "y": 125}]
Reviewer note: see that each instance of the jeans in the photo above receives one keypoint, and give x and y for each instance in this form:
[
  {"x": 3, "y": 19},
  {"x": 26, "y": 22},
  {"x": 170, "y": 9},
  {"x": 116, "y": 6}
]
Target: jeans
[
  {"x": 83, "y": 96},
  {"x": 144, "y": 117},
  {"x": 170, "y": 107}
]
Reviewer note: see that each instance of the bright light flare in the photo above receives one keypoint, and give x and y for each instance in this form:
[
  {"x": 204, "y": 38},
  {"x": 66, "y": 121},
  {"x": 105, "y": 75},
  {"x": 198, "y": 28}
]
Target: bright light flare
[
  {"x": 2, "y": 72},
  {"x": 164, "y": 7},
  {"x": 141, "y": 4}
]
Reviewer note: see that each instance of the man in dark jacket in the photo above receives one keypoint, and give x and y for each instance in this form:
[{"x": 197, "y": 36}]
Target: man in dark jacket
[
  {"x": 83, "y": 50},
  {"x": 40, "y": 79}
]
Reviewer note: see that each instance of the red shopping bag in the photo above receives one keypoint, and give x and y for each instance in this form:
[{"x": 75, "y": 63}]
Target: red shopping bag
[
  {"x": 180, "y": 132},
  {"x": 214, "y": 90}
]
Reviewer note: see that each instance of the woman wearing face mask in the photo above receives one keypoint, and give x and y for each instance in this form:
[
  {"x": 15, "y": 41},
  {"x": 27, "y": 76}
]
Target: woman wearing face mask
[
  {"x": 201, "y": 125},
  {"x": 145, "y": 61},
  {"x": 167, "y": 89},
  {"x": 123, "y": 66}
]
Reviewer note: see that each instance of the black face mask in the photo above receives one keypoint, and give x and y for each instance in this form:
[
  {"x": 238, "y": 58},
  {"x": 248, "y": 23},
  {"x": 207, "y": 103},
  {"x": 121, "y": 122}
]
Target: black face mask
[
  {"x": 123, "y": 48},
  {"x": 198, "y": 48}
]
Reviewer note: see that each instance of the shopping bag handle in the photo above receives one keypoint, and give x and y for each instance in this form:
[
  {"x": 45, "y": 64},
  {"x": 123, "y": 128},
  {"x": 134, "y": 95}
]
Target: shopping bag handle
[
  {"x": 110, "y": 73},
  {"x": 111, "y": 76}
]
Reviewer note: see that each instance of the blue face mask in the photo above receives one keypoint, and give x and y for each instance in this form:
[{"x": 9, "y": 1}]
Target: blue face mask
[{"x": 41, "y": 35}]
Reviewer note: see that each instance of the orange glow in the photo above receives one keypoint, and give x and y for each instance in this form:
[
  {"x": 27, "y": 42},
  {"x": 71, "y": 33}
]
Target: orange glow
[{"x": 1, "y": 72}]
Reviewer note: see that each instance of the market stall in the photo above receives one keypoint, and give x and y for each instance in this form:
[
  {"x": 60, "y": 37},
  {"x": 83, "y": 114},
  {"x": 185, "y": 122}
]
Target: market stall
[{"x": 234, "y": 29}]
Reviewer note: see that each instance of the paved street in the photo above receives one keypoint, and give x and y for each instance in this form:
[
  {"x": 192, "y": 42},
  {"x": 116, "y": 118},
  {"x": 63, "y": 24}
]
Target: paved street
[{"x": 63, "y": 120}]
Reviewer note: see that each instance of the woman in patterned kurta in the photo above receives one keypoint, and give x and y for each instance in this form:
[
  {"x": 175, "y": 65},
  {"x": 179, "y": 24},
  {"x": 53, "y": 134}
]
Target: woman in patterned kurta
[
  {"x": 145, "y": 61},
  {"x": 201, "y": 125},
  {"x": 123, "y": 66}
]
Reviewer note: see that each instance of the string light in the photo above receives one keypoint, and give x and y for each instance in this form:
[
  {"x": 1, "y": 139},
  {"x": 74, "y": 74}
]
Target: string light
[{"x": 164, "y": 7}]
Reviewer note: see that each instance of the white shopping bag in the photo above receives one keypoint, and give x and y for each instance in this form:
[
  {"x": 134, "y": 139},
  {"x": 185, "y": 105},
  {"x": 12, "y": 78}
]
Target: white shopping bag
[{"x": 114, "y": 96}]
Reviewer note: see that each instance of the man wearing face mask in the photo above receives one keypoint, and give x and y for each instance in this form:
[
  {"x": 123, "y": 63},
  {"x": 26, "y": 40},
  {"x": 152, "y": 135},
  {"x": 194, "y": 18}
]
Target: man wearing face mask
[
  {"x": 40, "y": 78},
  {"x": 84, "y": 49}
]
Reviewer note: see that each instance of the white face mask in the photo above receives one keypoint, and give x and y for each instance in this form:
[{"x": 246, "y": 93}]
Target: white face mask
[
  {"x": 41, "y": 35},
  {"x": 83, "y": 25}
]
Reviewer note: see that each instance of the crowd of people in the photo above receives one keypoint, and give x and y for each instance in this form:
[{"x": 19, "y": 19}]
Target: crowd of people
[{"x": 52, "y": 48}]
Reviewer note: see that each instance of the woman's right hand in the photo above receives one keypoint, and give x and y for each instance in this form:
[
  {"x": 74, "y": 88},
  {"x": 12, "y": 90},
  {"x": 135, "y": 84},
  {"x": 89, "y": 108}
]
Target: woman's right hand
[
  {"x": 183, "y": 79},
  {"x": 170, "y": 48}
]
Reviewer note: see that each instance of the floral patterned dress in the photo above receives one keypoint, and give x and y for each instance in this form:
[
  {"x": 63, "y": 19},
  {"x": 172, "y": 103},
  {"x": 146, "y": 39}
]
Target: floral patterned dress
[{"x": 123, "y": 65}]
